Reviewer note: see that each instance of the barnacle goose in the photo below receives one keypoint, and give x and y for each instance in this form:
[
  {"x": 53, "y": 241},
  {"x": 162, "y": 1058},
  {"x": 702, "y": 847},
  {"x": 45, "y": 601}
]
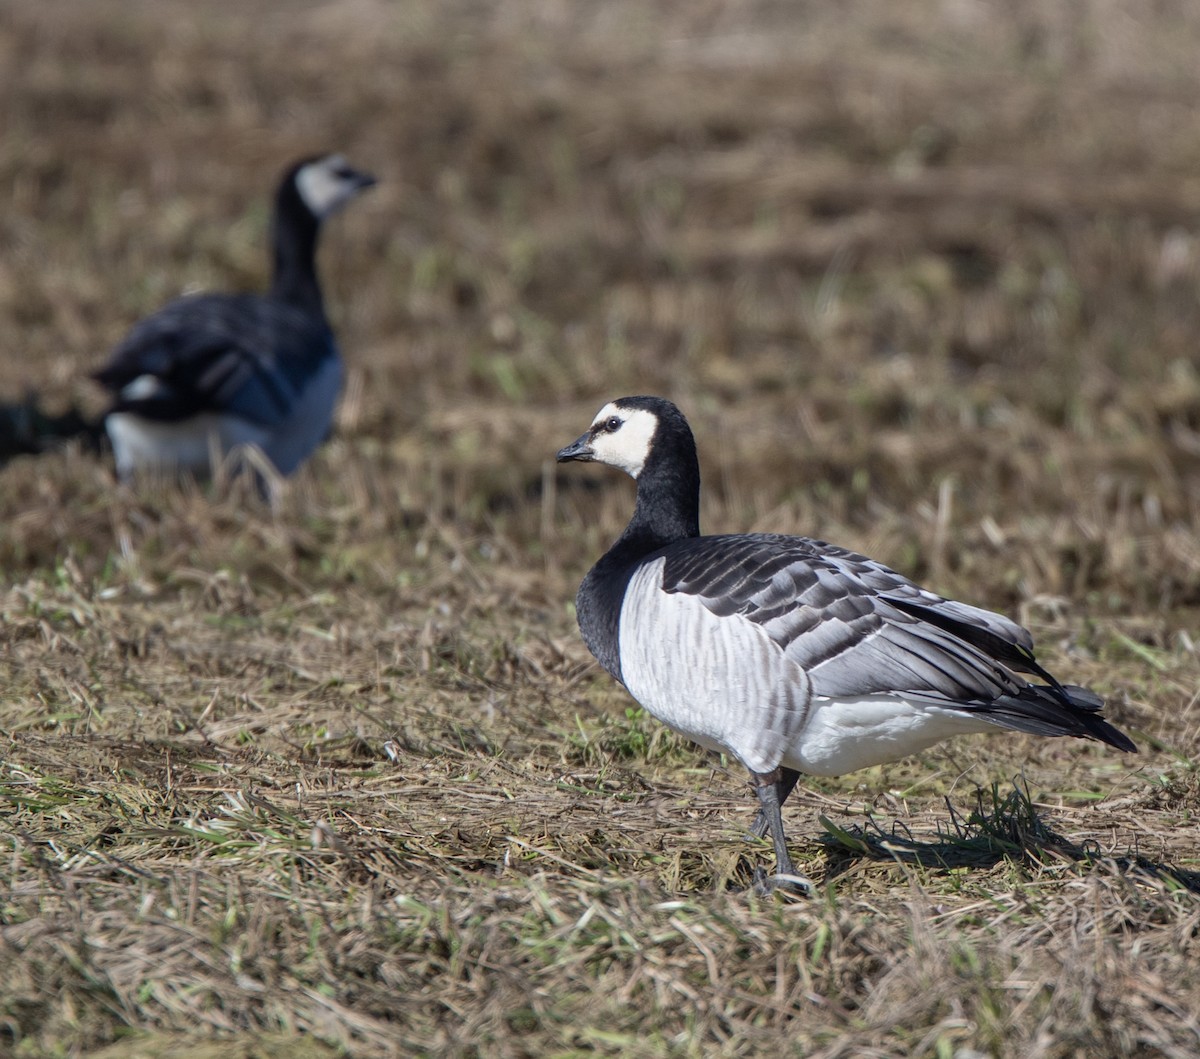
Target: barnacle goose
[
  {"x": 788, "y": 653},
  {"x": 208, "y": 373}
]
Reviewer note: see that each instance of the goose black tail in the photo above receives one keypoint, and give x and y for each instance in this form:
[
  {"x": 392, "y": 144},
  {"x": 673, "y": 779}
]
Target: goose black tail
[{"x": 1063, "y": 710}]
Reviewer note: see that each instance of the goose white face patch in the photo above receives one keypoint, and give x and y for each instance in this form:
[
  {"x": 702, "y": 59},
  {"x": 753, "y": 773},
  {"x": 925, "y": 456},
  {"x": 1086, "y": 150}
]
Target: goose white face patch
[
  {"x": 323, "y": 187},
  {"x": 621, "y": 437}
]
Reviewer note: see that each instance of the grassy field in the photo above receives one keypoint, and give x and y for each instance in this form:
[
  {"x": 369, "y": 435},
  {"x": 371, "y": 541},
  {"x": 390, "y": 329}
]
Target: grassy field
[{"x": 340, "y": 778}]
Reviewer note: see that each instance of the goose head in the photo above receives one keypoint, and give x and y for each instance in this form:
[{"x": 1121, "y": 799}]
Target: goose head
[
  {"x": 327, "y": 183},
  {"x": 625, "y": 433}
]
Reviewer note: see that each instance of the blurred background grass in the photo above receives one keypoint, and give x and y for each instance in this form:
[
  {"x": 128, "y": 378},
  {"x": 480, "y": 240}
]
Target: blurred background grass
[{"x": 870, "y": 252}]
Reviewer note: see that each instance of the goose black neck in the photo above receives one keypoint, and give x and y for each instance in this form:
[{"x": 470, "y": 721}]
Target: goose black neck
[
  {"x": 294, "y": 241},
  {"x": 668, "y": 497},
  {"x": 667, "y": 510}
]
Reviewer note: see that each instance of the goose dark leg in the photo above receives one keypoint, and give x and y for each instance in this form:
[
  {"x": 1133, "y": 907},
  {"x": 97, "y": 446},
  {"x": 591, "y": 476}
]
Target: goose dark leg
[
  {"x": 767, "y": 786},
  {"x": 787, "y": 782}
]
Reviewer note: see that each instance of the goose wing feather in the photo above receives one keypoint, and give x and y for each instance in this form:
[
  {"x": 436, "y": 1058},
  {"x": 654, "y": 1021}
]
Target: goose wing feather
[
  {"x": 854, "y": 625},
  {"x": 239, "y": 354}
]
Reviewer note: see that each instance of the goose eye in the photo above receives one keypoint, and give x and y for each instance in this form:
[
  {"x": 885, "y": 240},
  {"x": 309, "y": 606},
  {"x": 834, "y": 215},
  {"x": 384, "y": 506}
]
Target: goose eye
[{"x": 612, "y": 423}]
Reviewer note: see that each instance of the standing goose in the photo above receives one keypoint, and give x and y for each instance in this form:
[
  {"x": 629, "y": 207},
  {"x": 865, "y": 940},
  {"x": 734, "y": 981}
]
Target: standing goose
[
  {"x": 789, "y": 653},
  {"x": 208, "y": 373}
]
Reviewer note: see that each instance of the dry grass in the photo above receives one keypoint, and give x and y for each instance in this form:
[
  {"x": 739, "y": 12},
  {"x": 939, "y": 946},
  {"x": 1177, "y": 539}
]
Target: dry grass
[{"x": 340, "y": 778}]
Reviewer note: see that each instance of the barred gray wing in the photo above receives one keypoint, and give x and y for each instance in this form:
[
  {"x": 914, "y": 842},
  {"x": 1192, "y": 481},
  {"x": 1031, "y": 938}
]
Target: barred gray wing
[{"x": 854, "y": 625}]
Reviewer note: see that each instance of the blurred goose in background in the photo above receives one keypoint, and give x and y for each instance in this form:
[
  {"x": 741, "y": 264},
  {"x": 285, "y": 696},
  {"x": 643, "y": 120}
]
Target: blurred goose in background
[
  {"x": 790, "y": 654},
  {"x": 209, "y": 373}
]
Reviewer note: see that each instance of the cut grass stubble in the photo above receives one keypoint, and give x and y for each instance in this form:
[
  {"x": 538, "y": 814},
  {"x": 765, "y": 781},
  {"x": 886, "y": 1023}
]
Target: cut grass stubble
[{"x": 340, "y": 772}]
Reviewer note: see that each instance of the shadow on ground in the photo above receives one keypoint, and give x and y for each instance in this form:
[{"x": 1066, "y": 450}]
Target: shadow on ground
[{"x": 1003, "y": 827}]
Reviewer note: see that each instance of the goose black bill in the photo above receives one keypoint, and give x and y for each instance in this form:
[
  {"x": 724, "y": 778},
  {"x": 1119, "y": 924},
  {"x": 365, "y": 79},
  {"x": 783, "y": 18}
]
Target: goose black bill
[{"x": 579, "y": 449}]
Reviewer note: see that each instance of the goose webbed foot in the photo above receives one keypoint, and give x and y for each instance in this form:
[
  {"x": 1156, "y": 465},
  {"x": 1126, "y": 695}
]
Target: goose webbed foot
[{"x": 763, "y": 885}]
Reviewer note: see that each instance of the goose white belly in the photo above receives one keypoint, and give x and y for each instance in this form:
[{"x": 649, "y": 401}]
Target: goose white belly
[
  {"x": 725, "y": 684},
  {"x": 187, "y": 445},
  {"x": 844, "y": 735}
]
